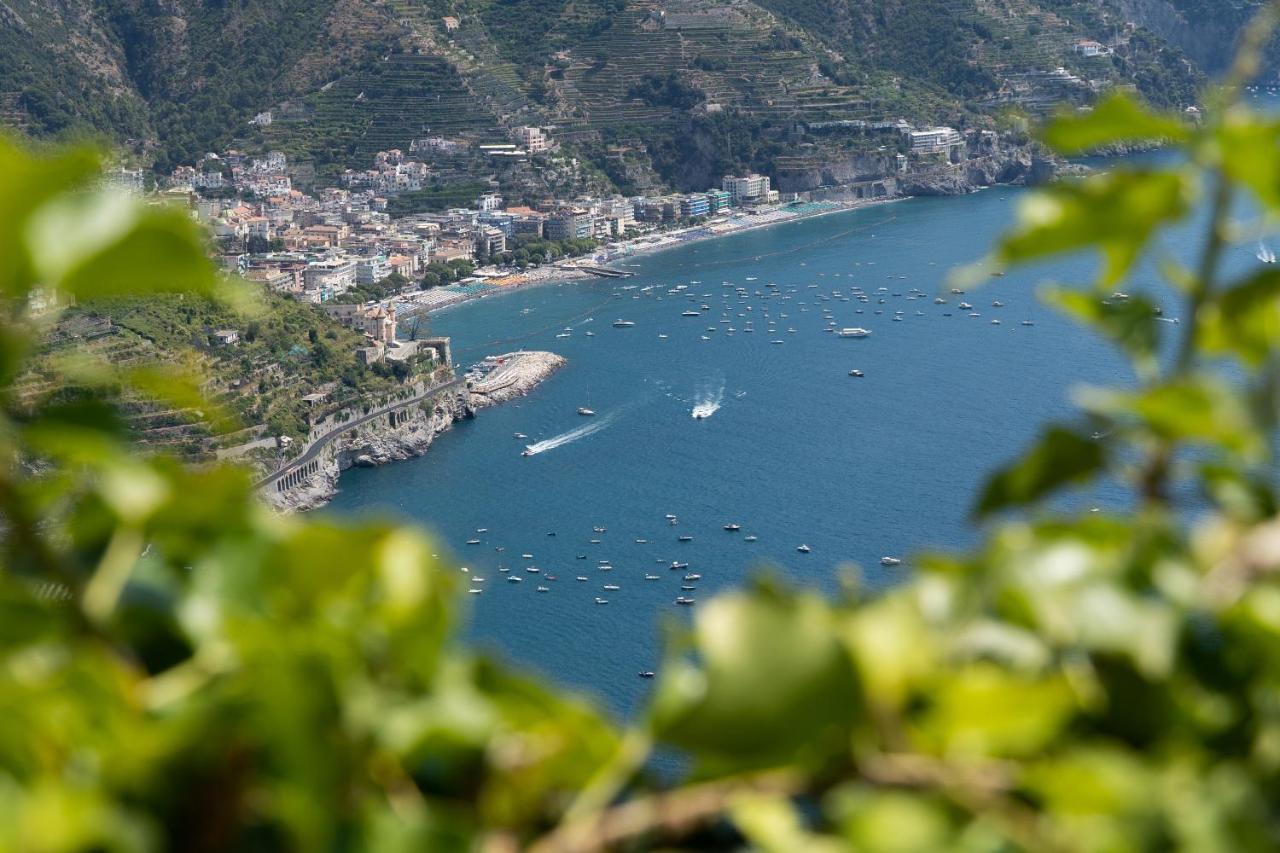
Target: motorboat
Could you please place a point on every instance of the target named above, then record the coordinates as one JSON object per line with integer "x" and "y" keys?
{"x": 602, "y": 601}
{"x": 611, "y": 587}
{"x": 623, "y": 324}
{"x": 646, "y": 673}
{"x": 693, "y": 577}
{"x": 733, "y": 528}
{"x": 890, "y": 561}
{"x": 854, "y": 332}
{"x": 544, "y": 589}
{"x": 690, "y": 313}
{"x": 856, "y": 372}
{"x": 473, "y": 541}
{"x": 685, "y": 600}
{"x": 685, "y": 538}
{"x": 676, "y": 564}
{"x": 652, "y": 577}
{"x": 750, "y": 538}
{"x": 585, "y": 412}
{"x": 804, "y": 549}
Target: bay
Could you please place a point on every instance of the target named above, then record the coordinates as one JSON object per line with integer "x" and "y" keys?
{"x": 796, "y": 450}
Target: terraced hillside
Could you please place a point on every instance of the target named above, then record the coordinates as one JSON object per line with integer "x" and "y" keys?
{"x": 346, "y": 78}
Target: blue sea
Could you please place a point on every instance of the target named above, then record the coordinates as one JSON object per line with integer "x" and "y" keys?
{"x": 795, "y": 450}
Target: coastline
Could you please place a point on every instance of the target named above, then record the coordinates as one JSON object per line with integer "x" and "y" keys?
{"x": 494, "y": 380}
{"x": 568, "y": 271}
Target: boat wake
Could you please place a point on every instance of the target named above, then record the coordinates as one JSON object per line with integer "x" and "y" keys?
{"x": 568, "y": 437}
{"x": 708, "y": 403}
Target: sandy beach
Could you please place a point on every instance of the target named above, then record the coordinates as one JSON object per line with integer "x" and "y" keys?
{"x": 495, "y": 284}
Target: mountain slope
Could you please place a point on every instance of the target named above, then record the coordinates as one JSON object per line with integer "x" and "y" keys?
{"x": 622, "y": 82}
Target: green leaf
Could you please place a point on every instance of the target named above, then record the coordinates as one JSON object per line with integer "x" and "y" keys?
{"x": 107, "y": 243}
{"x": 1130, "y": 323}
{"x": 1198, "y": 410}
{"x": 756, "y": 700}
{"x": 1244, "y": 320}
{"x": 1115, "y": 213}
{"x": 1249, "y": 154}
{"x": 1061, "y": 457}
{"x": 1118, "y": 119}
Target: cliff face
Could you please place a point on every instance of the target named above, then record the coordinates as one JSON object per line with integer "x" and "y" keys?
{"x": 1209, "y": 41}
{"x": 495, "y": 380}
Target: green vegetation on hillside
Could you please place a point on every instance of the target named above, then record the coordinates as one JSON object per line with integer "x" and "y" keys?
{"x": 181, "y": 669}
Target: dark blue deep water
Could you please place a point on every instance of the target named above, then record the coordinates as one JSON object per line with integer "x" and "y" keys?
{"x": 798, "y": 451}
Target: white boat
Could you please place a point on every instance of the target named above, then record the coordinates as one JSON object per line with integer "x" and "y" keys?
{"x": 690, "y": 314}
{"x": 473, "y": 541}
{"x": 1027, "y": 323}
{"x": 585, "y": 412}
{"x": 686, "y": 601}
{"x": 750, "y": 538}
{"x": 965, "y": 306}
{"x": 623, "y": 324}
{"x": 854, "y": 332}
{"x": 612, "y": 587}
{"x": 544, "y": 589}
{"x": 1265, "y": 254}
{"x": 602, "y": 601}
{"x": 855, "y": 372}
{"x": 890, "y": 561}
{"x": 677, "y": 565}
{"x": 804, "y": 549}
{"x": 733, "y": 527}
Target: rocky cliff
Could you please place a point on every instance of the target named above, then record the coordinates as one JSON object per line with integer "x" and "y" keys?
{"x": 495, "y": 380}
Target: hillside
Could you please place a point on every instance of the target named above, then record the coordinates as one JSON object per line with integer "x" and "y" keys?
{"x": 646, "y": 92}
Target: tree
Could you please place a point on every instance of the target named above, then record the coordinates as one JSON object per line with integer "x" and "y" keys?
{"x": 179, "y": 666}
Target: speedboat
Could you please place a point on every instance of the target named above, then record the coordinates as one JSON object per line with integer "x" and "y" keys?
{"x": 853, "y": 332}
{"x": 676, "y": 564}
{"x": 585, "y": 412}
{"x": 890, "y": 561}
{"x": 623, "y": 324}
{"x": 804, "y": 549}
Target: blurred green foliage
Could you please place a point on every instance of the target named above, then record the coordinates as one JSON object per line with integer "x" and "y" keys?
{"x": 181, "y": 669}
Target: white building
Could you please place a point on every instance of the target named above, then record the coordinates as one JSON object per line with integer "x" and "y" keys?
{"x": 931, "y": 140}
{"x": 371, "y": 270}
{"x": 532, "y": 138}
{"x": 489, "y": 202}
{"x": 744, "y": 189}
{"x": 330, "y": 277}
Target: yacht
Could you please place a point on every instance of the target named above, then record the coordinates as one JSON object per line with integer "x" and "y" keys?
{"x": 544, "y": 589}
{"x": 750, "y": 538}
{"x": 515, "y": 579}
{"x": 1027, "y": 323}
{"x": 474, "y": 591}
{"x": 890, "y": 561}
{"x": 853, "y": 332}
{"x": 690, "y": 313}
{"x": 623, "y": 324}
{"x": 685, "y": 600}
{"x": 804, "y": 549}
{"x": 649, "y": 577}
{"x": 676, "y": 564}
{"x": 598, "y": 529}
{"x": 733, "y": 528}
{"x": 473, "y": 541}
{"x": 965, "y": 306}
{"x": 646, "y": 673}
{"x": 855, "y": 372}
{"x": 585, "y": 412}
{"x": 693, "y": 577}
{"x": 521, "y": 436}
{"x": 684, "y": 537}
{"x": 602, "y": 601}
{"x": 612, "y": 587}
{"x": 581, "y": 578}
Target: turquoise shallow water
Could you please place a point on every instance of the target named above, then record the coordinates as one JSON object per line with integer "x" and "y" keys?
{"x": 797, "y": 452}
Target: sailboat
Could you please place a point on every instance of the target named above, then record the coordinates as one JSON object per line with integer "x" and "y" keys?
{"x": 586, "y": 411}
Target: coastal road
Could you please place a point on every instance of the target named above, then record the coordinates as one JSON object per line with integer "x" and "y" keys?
{"x": 320, "y": 443}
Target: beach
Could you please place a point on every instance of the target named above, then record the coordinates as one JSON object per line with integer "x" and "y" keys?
{"x": 494, "y": 283}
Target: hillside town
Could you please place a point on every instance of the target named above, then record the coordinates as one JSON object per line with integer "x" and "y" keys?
{"x": 342, "y": 244}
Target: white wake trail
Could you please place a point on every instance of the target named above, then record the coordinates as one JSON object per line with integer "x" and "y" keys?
{"x": 708, "y": 402}
{"x": 568, "y": 437}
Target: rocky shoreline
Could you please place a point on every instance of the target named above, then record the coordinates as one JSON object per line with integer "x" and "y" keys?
{"x": 497, "y": 379}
